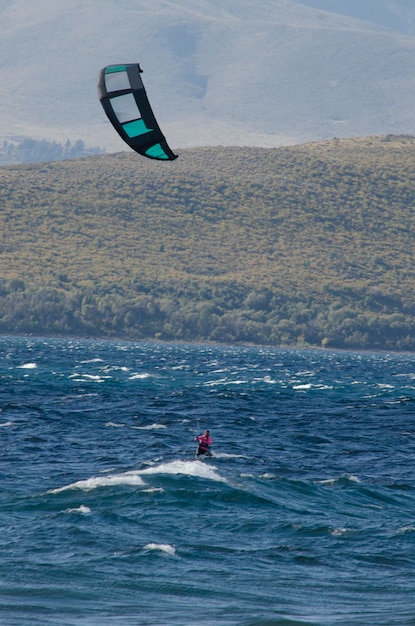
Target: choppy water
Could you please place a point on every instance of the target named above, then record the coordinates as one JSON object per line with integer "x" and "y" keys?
{"x": 305, "y": 515}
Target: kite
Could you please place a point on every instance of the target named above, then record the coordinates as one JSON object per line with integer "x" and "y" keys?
{"x": 124, "y": 100}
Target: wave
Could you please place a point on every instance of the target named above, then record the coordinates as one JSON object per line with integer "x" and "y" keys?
{"x": 186, "y": 468}
{"x": 310, "y": 386}
{"x": 128, "y": 478}
{"x": 162, "y": 547}
{"x": 228, "y": 455}
{"x": 139, "y": 376}
{"x": 82, "y": 378}
{"x": 150, "y": 427}
{"x": 96, "y": 360}
{"x": 84, "y": 510}
{"x": 405, "y": 529}
{"x": 135, "y": 478}
{"x": 343, "y": 480}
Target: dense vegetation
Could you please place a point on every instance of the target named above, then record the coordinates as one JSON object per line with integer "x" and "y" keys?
{"x": 306, "y": 245}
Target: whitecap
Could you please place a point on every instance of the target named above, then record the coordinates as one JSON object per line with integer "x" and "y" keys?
{"x": 328, "y": 481}
{"x": 134, "y": 478}
{"x": 352, "y": 478}
{"x": 227, "y": 455}
{"x": 129, "y": 478}
{"x": 405, "y": 529}
{"x": 6, "y": 424}
{"x": 97, "y": 360}
{"x": 187, "y": 468}
{"x": 84, "y": 510}
{"x": 225, "y": 381}
{"x": 139, "y": 376}
{"x": 334, "y": 481}
{"x": 115, "y": 368}
{"x": 338, "y": 532}
{"x": 27, "y": 366}
{"x": 269, "y": 380}
{"x": 81, "y": 378}
{"x": 95, "y": 377}
{"x": 311, "y": 386}
{"x": 163, "y": 547}
{"x": 114, "y": 425}
{"x": 150, "y": 427}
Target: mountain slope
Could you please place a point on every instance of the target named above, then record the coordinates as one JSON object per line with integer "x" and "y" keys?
{"x": 399, "y": 16}
{"x": 312, "y": 243}
{"x": 218, "y": 72}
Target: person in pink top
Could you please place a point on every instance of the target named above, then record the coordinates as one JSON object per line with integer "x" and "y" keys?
{"x": 205, "y": 441}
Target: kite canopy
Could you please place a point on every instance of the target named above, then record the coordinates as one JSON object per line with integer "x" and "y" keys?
{"x": 124, "y": 99}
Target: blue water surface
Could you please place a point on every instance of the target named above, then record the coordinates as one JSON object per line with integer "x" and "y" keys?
{"x": 304, "y": 515}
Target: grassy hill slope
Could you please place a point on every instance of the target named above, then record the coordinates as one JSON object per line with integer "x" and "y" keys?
{"x": 312, "y": 244}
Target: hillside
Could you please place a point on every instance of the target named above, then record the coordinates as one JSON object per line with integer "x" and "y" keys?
{"x": 217, "y": 72}
{"x": 309, "y": 245}
{"x": 398, "y": 15}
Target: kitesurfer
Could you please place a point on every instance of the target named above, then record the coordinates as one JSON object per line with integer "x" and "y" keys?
{"x": 205, "y": 441}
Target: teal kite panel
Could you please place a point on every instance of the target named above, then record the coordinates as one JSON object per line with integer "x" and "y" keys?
{"x": 136, "y": 128}
{"x": 115, "y": 68}
{"x": 156, "y": 152}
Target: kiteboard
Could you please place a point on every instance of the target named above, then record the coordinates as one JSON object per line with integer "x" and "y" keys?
{"x": 200, "y": 457}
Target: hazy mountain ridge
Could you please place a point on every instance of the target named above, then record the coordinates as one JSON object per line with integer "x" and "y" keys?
{"x": 221, "y": 72}
{"x": 399, "y": 16}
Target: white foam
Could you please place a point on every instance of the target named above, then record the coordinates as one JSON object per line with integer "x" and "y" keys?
{"x": 150, "y": 427}
{"x": 129, "y": 478}
{"x": 188, "y": 468}
{"x": 6, "y": 424}
{"x": 163, "y": 547}
{"x": 80, "y": 378}
{"x": 134, "y": 478}
{"x": 139, "y": 376}
{"x": 305, "y": 386}
{"x": 269, "y": 380}
{"x": 27, "y": 366}
{"x": 84, "y": 510}
{"x": 339, "y": 532}
{"x": 95, "y": 377}
{"x": 114, "y": 425}
{"x": 225, "y": 381}
{"x": 226, "y": 455}
{"x": 405, "y": 529}
{"x": 97, "y": 360}
{"x": 334, "y": 481}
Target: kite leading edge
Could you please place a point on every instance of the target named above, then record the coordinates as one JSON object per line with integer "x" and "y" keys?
{"x": 124, "y": 99}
